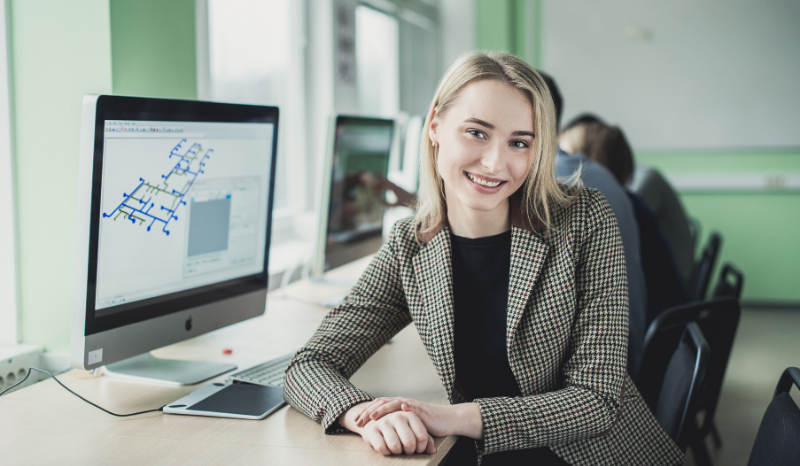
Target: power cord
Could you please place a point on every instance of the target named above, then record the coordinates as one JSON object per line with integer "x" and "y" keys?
{"x": 82, "y": 398}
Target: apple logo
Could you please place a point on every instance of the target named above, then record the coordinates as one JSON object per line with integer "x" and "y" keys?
{"x": 189, "y": 324}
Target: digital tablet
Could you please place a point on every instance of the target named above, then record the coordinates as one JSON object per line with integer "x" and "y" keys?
{"x": 236, "y": 400}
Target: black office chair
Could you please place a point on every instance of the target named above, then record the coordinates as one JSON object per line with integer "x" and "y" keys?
{"x": 697, "y": 286}
{"x": 730, "y": 282}
{"x": 778, "y": 439}
{"x": 681, "y": 390}
{"x": 694, "y": 231}
{"x": 718, "y": 319}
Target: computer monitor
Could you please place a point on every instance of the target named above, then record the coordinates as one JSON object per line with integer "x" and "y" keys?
{"x": 352, "y": 201}
{"x": 173, "y": 229}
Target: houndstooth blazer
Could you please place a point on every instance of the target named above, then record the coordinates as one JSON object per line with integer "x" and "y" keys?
{"x": 567, "y": 330}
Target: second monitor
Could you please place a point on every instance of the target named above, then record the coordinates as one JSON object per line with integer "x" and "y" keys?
{"x": 352, "y": 204}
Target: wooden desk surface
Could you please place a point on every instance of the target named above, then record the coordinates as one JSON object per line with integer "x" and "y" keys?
{"x": 44, "y": 424}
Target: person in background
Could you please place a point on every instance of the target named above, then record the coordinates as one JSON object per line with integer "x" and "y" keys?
{"x": 595, "y": 175}
{"x": 516, "y": 285}
{"x": 652, "y": 188}
{"x": 607, "y": 145}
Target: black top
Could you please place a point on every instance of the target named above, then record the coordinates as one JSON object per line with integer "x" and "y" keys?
{"x": 481, "y": 268}
{"x": 480, "y": 292}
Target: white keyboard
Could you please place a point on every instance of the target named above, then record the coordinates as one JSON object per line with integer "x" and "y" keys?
{"x": 267, "y": 373}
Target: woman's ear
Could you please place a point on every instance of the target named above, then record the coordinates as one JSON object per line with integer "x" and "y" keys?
{"x": 433, "y": 128}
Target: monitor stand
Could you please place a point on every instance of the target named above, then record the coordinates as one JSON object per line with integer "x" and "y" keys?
{"x": 148, "y": 368}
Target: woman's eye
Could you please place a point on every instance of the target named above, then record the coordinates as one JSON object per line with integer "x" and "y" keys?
{"x": 519, "y": 144}
{"x": 476, "y": 133}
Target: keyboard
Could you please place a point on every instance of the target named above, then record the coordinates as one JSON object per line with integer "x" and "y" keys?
{"x": 267, "y": 373}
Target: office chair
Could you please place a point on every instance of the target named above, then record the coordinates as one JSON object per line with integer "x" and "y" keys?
{"x": 730, "y": 282}
{"x": 681, "y": 390}
{"x": 694, "y": 231}
{"x": 718, "y": 320}
{"x": 697, "y": 286}
{"x": 778, "y": 439}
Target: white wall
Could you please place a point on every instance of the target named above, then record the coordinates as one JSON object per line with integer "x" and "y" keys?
{"x": 682, "y": 73}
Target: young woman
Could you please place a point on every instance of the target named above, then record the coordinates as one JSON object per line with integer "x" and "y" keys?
{"x": 516, "y": 285}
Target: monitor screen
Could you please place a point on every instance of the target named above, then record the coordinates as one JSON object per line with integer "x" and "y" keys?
{"x": 182, "y": 205}
{"x": 361, "y": 151}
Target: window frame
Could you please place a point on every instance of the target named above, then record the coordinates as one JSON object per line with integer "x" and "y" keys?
{"x": 10, "y": 331}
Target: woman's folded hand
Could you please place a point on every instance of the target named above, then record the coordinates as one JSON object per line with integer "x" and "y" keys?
{"x": 439, "y": 420}
{"x": 399, "y": 432}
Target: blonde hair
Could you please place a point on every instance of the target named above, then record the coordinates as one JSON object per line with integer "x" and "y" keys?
{"x": 540, "y": 192}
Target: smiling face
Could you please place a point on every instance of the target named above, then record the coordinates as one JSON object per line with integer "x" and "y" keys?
{"x": 485, "y": 147}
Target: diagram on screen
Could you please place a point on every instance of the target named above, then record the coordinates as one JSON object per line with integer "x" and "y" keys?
{"x": 154, "y": 202}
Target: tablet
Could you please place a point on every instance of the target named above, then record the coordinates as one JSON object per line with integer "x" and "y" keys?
{"x": 236, "y": 400}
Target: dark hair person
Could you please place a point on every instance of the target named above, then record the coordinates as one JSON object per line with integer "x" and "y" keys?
{"x": 606, "y": 144}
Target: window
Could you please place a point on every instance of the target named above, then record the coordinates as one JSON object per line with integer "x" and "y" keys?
{"x": 377, "y": 63}
{"x": 397, "y": 47}
{"x": 291, "y": 54}
{"x": 255, "y": 56}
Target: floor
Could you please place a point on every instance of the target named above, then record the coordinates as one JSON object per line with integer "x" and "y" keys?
{"x": 767, "y": 342}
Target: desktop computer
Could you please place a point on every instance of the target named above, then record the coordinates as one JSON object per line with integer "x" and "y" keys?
{"x": 352, "y": 206}
{"x": 173, "y": 229}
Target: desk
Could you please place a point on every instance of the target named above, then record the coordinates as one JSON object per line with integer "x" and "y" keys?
{"x": 44, "y": 424}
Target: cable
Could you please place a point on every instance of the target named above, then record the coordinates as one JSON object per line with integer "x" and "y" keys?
{"x": 82, "y": 398}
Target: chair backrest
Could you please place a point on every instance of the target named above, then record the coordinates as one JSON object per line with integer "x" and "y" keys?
{"x": 681, "y": 390}
{"x": 778, "y": 439}
{"x": 694, "y": 231}
{"x": 701, "y": 272}
{"x": 718, "y": 319}
{"x": 730, "y": 282}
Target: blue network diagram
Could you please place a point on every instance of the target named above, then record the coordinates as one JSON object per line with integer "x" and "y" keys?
{"x": 143, "y": 210}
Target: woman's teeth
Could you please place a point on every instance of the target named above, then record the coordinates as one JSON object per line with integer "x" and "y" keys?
{"x": 481, "y": 182}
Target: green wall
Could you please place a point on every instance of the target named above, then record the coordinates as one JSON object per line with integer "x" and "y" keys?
{"x": 153, "y": 48}
{"x": 759, "y": 228}
{"x": 60, "y": 52}
{"x": 502, "y": 25}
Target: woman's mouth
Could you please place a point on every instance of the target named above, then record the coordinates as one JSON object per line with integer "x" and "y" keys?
{"x": 482, "y": 181}
{"x": 484, "y": 184}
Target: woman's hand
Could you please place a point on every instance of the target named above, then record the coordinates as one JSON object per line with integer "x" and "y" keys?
{"x": 398, "y": 432}
{"x": 439, "y": 420}
{"x": 395, "y": 433}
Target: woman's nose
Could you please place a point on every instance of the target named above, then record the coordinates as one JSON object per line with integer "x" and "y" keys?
{"x": 492, "y": 159}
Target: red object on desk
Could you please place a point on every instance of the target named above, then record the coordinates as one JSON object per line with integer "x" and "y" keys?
{"x": 227, "y": 351}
